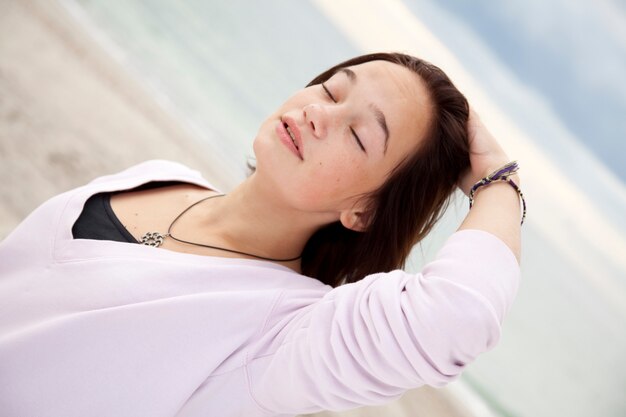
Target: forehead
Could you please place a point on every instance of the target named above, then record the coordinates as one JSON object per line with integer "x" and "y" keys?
{"x": 402, "y": 96}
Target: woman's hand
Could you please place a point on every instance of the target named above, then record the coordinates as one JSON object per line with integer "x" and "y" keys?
{"x": 486, "y": 154}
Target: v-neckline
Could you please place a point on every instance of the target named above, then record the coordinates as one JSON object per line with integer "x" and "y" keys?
{"x": 67, "y": 249}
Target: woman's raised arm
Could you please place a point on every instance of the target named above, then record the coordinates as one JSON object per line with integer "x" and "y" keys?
{"x": 496, "y": 207}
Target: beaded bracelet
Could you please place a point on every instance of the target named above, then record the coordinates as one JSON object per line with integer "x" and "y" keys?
{"x": 501, "y": 174}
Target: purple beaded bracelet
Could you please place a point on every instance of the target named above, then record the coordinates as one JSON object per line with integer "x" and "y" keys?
{"x": 501, "y": 174}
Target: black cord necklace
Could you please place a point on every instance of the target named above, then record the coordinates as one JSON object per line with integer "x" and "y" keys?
{"x": 155, "y": 239}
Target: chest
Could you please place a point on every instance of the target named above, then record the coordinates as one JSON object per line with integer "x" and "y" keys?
{"x": 154, "y": 210}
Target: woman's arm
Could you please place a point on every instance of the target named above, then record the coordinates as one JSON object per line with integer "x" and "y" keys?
{"x": 496, "y": 207}
{"x": 368, "y": 342}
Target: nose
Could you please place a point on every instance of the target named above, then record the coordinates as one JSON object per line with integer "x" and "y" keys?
{"x": 316, "y": 117}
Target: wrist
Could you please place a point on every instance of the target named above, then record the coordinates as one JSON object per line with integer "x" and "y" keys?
{"x": 504, "y": 173}
{"x": 494, "y": 192}
{"x": 493, "y": 167}
{"x": 516, "y": 178}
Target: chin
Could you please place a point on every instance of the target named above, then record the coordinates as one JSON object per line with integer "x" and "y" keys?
{"x": 262, "y": 153}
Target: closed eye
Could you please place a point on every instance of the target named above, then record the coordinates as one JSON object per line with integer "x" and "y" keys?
{"x": 328, "y": 93}
{"x": 356, "y": 137}
{"x": 358, "y": 140}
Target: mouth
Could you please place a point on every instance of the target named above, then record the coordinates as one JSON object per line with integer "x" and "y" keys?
{"x": 291, "y": 134}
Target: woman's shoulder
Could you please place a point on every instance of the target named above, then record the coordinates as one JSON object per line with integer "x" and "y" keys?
{"x": 143, "y": 174}
{"x": 159, "y": 169}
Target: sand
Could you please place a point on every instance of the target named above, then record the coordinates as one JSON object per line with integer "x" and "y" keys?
{"x": 70, "y": 113}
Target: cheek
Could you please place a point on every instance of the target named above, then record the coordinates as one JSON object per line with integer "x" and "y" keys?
{"x": 334, "y": 181}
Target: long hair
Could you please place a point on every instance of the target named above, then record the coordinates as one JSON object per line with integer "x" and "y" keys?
{"x": 407, "y": 206}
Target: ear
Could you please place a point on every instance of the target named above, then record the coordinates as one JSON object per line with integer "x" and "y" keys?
{"x": 353, "y": 220}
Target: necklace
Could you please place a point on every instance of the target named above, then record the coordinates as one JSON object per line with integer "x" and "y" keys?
{"x": 155, "y": 239}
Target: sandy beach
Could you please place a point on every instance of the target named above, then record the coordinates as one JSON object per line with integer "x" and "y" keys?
{"x": 70, "y": 113}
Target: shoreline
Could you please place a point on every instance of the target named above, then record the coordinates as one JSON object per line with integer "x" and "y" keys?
{"x": 70, "y": 112}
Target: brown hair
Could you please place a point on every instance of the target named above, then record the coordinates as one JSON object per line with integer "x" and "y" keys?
{"x": 405, "y": 208}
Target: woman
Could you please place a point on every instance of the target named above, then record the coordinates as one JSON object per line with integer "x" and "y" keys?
{"x": 240, "y": 309}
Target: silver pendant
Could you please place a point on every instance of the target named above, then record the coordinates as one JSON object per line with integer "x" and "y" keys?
{"x": 154, "y": 239}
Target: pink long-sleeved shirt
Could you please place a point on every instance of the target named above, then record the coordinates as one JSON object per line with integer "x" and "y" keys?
{"x": 103, "y": 328}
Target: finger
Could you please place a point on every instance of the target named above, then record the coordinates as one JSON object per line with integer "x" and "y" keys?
{"x": 473, "y": 123}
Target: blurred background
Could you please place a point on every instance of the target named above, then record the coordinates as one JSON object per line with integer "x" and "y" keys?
{"x": 90, "y": 86}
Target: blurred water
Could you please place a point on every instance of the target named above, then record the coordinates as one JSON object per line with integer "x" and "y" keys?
{"x": 223, "y": 66}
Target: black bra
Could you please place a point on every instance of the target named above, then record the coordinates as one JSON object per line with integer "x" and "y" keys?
{"x": 98, "y": 221}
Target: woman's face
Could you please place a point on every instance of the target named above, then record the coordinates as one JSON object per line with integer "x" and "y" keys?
{"x": 349, "y": 133}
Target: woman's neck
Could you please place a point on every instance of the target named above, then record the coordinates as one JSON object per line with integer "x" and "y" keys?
{"x": 252, "y": 219}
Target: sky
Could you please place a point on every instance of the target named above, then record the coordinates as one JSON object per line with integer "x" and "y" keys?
{"x": 572, "y": 52}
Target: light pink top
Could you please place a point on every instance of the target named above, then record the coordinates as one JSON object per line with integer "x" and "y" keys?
{"x": 103, "y": 328}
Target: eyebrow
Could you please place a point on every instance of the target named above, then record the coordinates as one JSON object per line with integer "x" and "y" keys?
{"x": 378, "y": 114}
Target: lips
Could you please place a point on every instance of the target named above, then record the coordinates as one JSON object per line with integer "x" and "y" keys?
{"x": 289, "y": 131}
{"x": 293, "y": 137}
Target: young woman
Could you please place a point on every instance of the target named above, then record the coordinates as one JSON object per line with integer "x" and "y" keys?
{"x": 284, "y": 296}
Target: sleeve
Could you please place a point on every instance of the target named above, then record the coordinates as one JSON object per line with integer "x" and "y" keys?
{"x": 367, "y": 343}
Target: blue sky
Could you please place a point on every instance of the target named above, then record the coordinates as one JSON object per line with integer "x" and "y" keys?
{"x": 572, "y": 52}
